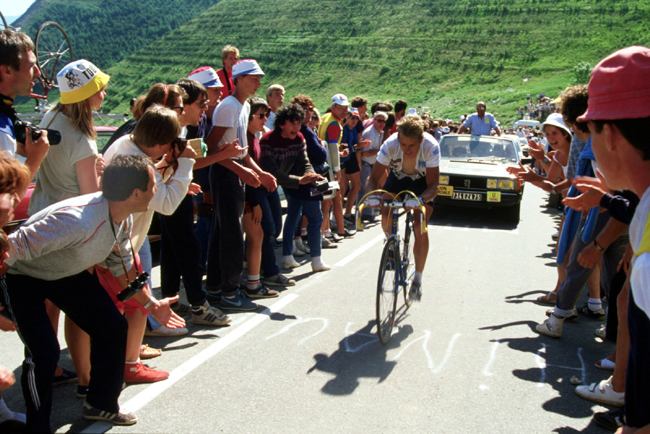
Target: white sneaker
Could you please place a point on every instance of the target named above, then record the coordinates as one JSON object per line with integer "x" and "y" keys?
{"x": 211, "y": 316}
{"x": 289, "y": 265}
{"x": 602, "y": 392}
{"x": 296, "y": 250}
{"x": 300, "y": 245}
{"x": 551, "y": 327}
{"x": 320, "y": 267}
{"x": 163, "y": 331}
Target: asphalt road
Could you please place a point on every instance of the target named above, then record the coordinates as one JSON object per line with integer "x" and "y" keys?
{"x": 465, "y": 359}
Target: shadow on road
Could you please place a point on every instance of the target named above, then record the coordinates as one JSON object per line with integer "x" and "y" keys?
{"x": 494, "y": 218}
{"x": 360, "y": 355}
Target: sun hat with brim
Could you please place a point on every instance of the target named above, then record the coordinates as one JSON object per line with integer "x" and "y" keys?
{"x": 207, "y": 76}
{"x": 246, "y": 67}
{"x": 79, "y": 80}
{"x": 555, "y": 119}
{"x": 619, "y": 87}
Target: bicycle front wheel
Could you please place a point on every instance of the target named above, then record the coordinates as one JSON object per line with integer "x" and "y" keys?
{"x": 387, "y": 290}
{"x": 408, "y": 258}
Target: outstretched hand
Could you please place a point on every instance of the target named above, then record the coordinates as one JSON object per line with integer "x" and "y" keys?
{"x": 592, "y": 189}
{"x": 163, "y": 312}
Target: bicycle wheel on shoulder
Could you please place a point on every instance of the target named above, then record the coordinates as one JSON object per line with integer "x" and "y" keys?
{"x": 53, "y": 51}
{"x": 387, "y": 290}
{"x": 408, "y": 258}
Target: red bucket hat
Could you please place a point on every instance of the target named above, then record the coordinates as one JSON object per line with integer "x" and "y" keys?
{"x": 619, "y": 87}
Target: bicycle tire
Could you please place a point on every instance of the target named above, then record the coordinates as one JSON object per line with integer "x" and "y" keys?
{"x": 408, "y": 258}
{"x": 4, "y": 22}
{"x": 387, "y": 290}
{"x": 53, "y": 51}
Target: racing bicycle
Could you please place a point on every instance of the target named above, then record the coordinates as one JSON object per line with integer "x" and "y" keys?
{"x": 397, "y": 264}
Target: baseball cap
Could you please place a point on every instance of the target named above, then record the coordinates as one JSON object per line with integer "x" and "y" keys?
{"x": 354, "y": 111}
{"x": 207, "y": 76}
{"x": 556, "y": 120}
{"x": 246, "y": 67}
{"x": 411, "y": 111}
{"x": 79, "y": 80}
{"x": 619, "y": 87}
{"x": 340, "y": 99}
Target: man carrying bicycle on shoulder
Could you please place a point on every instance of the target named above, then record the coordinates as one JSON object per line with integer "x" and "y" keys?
{"x": 413, "y": 157}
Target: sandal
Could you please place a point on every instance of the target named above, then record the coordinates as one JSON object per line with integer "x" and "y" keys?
{"x": 146, "y": 352}
{"x": 605, "y": 364}
{"x": 548, "y": 298}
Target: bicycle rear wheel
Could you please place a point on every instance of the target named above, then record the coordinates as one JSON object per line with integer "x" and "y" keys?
{"x": 387, "y": 290}
{"x": 53, "y": 52}
{"x": 408, "y": 258}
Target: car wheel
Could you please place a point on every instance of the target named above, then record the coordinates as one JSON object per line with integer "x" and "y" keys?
{"x": 513, "y": 213}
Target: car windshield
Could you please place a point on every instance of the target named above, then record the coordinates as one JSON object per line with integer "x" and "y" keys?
{"x": 464, "y": 147}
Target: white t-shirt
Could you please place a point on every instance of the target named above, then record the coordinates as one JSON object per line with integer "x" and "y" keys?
{"x": 640, "y": 279}
{"x": 169, "y": 194}
{"x": 375, "y": 137}
{"x": 232, "y": 114}
{"x": 56, "y": 179}
{"x": 391, "y": 155}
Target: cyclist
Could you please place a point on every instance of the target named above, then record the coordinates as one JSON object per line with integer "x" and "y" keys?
{"x": 413, "y": 157}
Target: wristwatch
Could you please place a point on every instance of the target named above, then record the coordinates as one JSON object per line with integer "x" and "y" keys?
{"x": 149, "y": 303}
{"x": 597, "y": 246}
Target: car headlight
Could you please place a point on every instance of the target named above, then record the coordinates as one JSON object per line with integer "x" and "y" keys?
{"x": 444, "y": 180}
{"x": 491, "y": 183}
{"x": 506, "y": 184}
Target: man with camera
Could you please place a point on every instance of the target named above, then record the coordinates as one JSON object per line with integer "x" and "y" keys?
{"x": 52, "y": 256}
{"x": 18, "y": 70}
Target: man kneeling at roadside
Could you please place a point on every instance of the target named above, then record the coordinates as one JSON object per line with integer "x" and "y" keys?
{"x": 50, "y": 257}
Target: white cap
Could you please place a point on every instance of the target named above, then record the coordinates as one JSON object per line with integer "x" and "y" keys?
{"x": 340, "y": 99}
{"x": 246, "y": 67}
{"x": 207, "y": 76}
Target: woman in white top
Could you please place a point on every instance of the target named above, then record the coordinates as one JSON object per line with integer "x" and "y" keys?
{"x": 72, "y": 168}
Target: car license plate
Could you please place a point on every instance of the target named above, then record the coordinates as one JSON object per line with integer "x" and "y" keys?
{"x": 445, "y": 190}
{"x": 476, "y": 197}
{"x": 494, "y": 196}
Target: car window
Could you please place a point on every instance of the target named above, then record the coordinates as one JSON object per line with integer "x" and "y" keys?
{"x": 466, "y": 147}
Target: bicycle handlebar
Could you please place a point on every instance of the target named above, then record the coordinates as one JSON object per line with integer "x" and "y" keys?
{"x": 391, "y": 205}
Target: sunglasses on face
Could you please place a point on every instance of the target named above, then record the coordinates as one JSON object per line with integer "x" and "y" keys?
{"x": 261, "y": 115}
{"x": 381, "y": 121}
{"x": 180, "y": 109}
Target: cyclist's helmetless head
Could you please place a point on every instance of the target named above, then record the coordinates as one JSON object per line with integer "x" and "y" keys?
{"x": 410, "y": 131}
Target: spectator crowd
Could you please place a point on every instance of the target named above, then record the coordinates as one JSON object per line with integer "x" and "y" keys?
{"x": 208, "y": 159}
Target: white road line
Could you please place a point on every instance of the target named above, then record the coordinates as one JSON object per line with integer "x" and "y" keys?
{"x": 486, "y": 368}
{"x": 359, "y": 251}
{"x": 153, "y": 391}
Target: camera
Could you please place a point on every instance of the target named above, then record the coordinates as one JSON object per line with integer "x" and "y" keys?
{"x": 179, "y": 144}
{"x": 135, "y": 286}
{"x": 326, "y": 188}
{"x": 53, "y": 136}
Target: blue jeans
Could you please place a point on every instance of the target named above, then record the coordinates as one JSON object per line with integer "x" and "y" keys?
{"x": 295, "y": 209}
{"x": 272, "y": 227}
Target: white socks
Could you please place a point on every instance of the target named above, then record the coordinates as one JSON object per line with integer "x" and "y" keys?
{"x": 417, "y": 277}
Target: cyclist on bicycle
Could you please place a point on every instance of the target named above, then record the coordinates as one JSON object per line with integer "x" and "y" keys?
{"x": 413, "y": 157}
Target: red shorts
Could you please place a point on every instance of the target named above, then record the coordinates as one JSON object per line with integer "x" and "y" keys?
{"x": 113, "y": 288}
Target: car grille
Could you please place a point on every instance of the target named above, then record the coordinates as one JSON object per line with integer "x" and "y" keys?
{"x": 475, "y": 183}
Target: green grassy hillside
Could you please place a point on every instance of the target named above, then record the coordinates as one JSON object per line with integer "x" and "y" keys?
{"x": 443, "y": 54}
{"x": 105, "y": 31}
{"x": 438, "y": 53}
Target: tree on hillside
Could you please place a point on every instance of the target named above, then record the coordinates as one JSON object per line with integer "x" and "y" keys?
{"x": 581, "y": 73}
